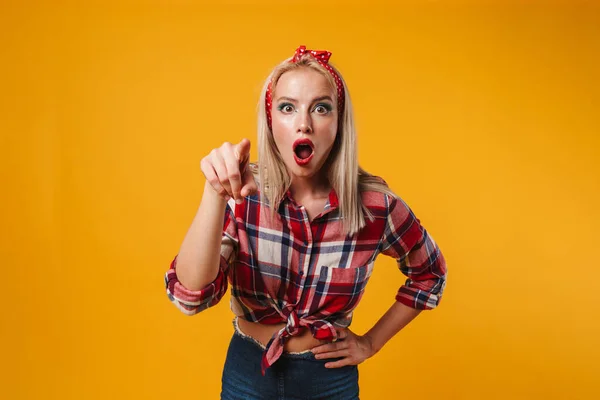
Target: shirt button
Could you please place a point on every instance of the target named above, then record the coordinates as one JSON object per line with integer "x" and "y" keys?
{"x": 301, "y": 273}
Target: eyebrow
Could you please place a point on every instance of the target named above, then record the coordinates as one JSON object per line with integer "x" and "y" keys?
{"x": 316, "y": 99}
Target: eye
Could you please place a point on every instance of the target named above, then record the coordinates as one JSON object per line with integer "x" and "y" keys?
{"x": 286, "y": 108}
{"x": 323, "y": 108}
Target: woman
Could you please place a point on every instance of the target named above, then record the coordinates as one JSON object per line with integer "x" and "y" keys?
{"x": 296, "y": 236}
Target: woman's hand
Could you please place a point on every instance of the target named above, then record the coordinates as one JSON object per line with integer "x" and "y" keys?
{"x": 355, "y": 349}
{"x": 225, "y": 169}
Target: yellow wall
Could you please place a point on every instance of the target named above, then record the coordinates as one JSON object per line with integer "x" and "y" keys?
{"x": 485, "y": 118}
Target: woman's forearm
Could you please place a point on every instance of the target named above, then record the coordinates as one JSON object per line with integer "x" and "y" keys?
{"x": 199, "y": 256}
{"x": 396, "y": 318}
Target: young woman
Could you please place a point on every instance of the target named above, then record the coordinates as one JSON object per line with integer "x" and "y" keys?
{"x": 296, "y": 236}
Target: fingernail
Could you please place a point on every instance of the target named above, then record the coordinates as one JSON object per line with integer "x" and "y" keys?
{"x": 239, "y": 201}
{"x": 227, "y": 197}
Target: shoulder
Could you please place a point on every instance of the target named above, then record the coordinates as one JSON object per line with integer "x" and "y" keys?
{"x": 374, "y": 199}
{"x": 375, "y": 192}
{"x": 380, "y": 199}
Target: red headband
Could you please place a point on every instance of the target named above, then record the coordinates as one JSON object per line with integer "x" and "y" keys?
{"x": 322, "y": 58}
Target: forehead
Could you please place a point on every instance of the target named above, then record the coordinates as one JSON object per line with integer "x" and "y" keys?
{"x": 303, "y": 82}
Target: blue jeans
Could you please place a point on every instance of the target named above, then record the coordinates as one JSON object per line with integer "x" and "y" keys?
{"x": 293, "y": 376}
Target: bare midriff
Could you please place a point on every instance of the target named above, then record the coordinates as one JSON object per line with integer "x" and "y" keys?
{"x": 263, "y": 333}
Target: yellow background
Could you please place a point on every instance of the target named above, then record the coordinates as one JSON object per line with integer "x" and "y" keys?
{"x": 484, "y": 117}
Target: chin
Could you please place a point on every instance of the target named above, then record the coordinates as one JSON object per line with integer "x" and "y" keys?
{"x": 304, "y": 172}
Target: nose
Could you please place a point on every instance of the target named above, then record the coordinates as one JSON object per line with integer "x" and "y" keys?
{"x": 305, "y": 122}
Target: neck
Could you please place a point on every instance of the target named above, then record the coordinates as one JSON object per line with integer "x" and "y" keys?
{"x": 309, "y": 187}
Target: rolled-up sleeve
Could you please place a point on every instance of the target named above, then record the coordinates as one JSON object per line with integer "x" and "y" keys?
{"x": 192, "y": 302}
{"x": 418, "y": 257}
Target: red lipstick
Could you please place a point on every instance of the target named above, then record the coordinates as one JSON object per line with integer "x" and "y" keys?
{"x": 303, "y": 157}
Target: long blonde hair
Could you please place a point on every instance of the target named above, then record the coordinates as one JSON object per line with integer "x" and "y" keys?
{"x": 346, "y": 177}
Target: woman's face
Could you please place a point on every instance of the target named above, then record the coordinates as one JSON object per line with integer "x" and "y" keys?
{"x": 304, "y": 107}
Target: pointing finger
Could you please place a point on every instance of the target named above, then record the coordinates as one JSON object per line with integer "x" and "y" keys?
{"x": 242, "y": 150}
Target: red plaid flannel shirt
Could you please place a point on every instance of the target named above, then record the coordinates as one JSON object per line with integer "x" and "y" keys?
{"x": 309, "y": 273}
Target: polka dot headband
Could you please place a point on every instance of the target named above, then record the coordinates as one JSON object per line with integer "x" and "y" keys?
{"x": 322, "y": 58}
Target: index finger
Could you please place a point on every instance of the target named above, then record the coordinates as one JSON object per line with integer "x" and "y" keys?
{"x": 242, "y": 150}
{"x": 234, "y": 176}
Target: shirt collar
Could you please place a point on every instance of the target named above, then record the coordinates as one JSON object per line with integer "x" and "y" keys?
{"x": 332, "y": 200}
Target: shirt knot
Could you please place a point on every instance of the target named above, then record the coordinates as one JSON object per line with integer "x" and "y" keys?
{"x": 321, "y": 329}
{"x": 292, "y": 326}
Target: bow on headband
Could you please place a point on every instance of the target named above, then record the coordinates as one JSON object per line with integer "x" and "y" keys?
{"x": 322, "y": 57}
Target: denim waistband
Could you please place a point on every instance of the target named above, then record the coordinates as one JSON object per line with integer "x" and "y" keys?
{"x": 306, "y": 354}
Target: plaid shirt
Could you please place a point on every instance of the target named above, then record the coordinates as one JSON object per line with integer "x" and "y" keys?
{"x": 310, "y": 274}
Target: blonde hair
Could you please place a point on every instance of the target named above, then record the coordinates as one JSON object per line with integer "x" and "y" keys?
{"x": 346, "y": 177}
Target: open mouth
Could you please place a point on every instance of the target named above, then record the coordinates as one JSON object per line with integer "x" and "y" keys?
{"x": 303, "y": 151}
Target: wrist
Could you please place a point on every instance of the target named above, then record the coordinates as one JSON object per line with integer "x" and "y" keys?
{"x": 374, "y": 349}
{"x": 212, "y": 194}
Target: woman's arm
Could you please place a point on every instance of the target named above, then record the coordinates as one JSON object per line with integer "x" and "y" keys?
{"x": 420, "y": 259}
{"x": 226, "y": 175}
{"x": 197, "y": 278}
{"x": 198, "y": 259}
{"x": 392, "y": 322}
{"x": 356, "y": 349}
